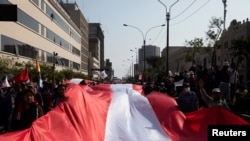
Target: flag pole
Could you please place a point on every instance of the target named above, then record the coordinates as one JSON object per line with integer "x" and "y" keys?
{"x": 38, "y": 70}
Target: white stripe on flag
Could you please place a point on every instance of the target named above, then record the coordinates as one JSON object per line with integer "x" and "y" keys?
{"x": 131, "y": 117}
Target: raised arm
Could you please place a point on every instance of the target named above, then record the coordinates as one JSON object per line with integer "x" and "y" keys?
{"x": 205, "y": 97}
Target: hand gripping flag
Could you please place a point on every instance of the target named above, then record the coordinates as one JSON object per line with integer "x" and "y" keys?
{"x": 121, "y": 112}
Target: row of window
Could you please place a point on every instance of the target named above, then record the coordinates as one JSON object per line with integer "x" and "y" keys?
{"x": 33, "y": 24}
{"x": 56, "y": 18}
{"x": 19, "y": 48}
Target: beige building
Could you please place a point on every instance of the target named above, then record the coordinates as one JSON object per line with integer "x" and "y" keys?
{"x": 96, "y": 49}
{"x": 81, "y": 22}
{"x": 176, "y": 58}
{"x": 44, "y": 31}
{"x": 236, "y": 30}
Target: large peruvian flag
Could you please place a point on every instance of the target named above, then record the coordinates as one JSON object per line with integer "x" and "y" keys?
{"x": 120, "y": 112}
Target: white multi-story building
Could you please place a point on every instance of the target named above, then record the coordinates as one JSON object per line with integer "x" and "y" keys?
{"x": 43, "y": 31}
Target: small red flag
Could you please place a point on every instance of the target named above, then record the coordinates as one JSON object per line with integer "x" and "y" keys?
{"x": 23, "y": 76}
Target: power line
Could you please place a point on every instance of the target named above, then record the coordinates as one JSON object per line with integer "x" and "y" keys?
{"x": 191, "y": 14}
{"x": 157, "y": 35}
{"x": 184, "y": 10}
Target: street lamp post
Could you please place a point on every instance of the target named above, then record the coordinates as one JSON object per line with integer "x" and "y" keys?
{"x": 132, "y": 68}
{"x": 136, "y": 60}
{"x": 54, "y": 67}
{"x": 144, "y": 41}
{"x": 214, "y": 57}
{"x": 225, "y": 11}
{"x": 167, "y": 19}
{"x": 136, "y": 53}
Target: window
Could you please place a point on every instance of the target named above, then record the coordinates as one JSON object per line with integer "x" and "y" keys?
{"x": 28, "y": 21}
{"x": 36, "y": 2}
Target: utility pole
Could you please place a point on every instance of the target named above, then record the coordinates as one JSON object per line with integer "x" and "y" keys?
{"x": 225, "y": 12}
{"x": 144, "y": 42}
{"x": 167, "y": 46}
{"x": 54, "y": 66}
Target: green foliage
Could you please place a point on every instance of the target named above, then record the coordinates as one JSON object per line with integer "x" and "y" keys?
{"x": 189, "y": 57}
{"x": 197, "y": 45}
{"x": 10, "y": 68}
{"x": 215, "y": 29}
{"x": 68, "y": 74}
{"x": 155, "y": 62}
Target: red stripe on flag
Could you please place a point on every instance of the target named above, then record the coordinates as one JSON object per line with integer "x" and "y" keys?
{"x": 192, "y": 126}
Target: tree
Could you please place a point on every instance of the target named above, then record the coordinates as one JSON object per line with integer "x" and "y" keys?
{"x": 196, "y": 45}
{"x": 11, "y": 68}
{"x": 156, "y": 64}
{"x": 215, "y": 29}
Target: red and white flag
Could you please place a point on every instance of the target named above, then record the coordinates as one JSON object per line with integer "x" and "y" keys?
{"x": 23, "y": 76}
{"x": 121, "y": 112}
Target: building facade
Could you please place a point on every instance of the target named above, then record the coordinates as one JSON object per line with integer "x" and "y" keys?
{"x": 150, "y": 50}
{"x": 236, "y": 30}
{"x": 81, "y": 22}
{"x": 96, "y": 49}
{"x": 44, "y": 31}
{"x": 108, "y": 69}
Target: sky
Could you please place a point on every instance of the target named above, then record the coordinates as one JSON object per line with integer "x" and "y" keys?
{"x": 189, "y": 19}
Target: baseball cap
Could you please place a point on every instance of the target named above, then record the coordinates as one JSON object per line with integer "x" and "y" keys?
{"x": 216, "y": 90}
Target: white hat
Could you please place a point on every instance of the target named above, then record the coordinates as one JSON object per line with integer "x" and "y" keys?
{"x": 216, "y": 90}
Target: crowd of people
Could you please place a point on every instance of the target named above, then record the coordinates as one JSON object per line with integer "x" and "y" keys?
{"x": 206, "y": 87}
{"x": 21, "y": 104}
